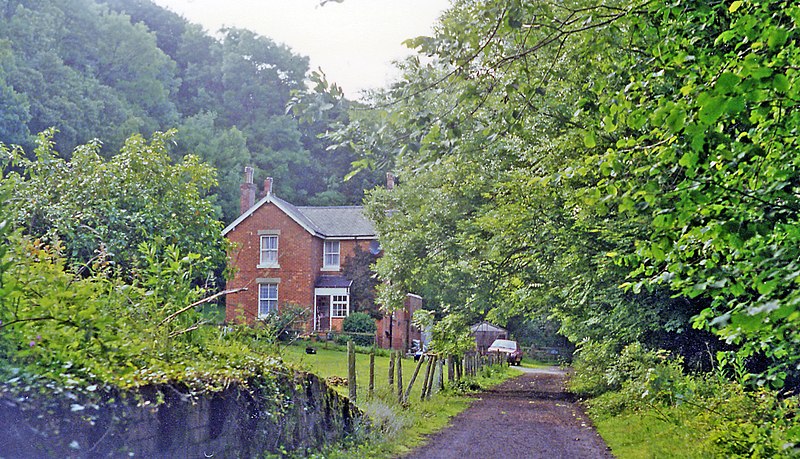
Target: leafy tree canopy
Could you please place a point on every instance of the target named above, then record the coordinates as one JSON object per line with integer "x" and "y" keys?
{"x": 111, "y": 69}
{"x": 104, "y": 209}
{"x": 549, "y": 154}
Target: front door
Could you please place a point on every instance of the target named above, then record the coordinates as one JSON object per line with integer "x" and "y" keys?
{"x": 322, "y": 322}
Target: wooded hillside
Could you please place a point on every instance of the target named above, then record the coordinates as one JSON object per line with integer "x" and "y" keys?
{"x": 111, "y": 69}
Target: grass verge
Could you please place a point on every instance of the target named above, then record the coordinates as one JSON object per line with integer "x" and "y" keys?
{"x": 644, "y": 435}
{"x": 396, "y": 429}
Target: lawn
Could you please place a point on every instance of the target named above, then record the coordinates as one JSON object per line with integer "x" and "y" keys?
{"x": 397, "y": 429}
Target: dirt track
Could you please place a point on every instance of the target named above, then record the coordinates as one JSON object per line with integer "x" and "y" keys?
{"x": 530, "y": 416}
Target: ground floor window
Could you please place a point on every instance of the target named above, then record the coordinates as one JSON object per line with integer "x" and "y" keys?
{"x": 267, "y": 299}
{"x": 339, "y": 305}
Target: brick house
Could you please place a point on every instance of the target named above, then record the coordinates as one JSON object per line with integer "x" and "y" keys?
{"x": 285, "y": 254}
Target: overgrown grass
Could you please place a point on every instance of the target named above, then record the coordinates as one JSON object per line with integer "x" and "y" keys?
{"x": 396, "y": 429}
{"x": 644, "y": 406}
{"x": 645, "y": 434}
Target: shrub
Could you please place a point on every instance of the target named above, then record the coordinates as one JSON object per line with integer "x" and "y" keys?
{"x": 591, "y": 362}
{"x": 285, "y": 324}
{"x": 361, "y": 328}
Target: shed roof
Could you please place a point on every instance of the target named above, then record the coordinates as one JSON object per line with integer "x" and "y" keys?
{"x": 487, "y": 327}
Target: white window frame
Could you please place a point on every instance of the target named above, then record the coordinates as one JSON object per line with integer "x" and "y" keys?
{"x": 268, "y": 256}
{"x": 328, "y": 251}
{"x": 340, "y": 306}
{"x": 267, "y": 299}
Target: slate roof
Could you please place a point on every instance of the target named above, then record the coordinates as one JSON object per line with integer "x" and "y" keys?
{"x": 333, "y": 282}
{"x": 339, "y": 221}
{"x": 325, "y": 222}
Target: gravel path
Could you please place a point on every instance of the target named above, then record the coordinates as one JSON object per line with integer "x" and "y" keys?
{"x": 529, "y": 416}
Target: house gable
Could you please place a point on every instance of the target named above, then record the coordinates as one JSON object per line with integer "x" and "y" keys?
{"x": 297, "y": 240}
{"x": 285, "y": 207}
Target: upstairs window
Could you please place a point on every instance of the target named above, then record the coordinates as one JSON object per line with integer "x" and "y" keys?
{"x": 269, "y": 251}
{"x": 330, "y": 257}
{"x": 267, "y": 299}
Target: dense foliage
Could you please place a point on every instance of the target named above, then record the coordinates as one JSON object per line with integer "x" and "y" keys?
{"x": 709, "y": 151}
{"x": 358, "y": 268}
{"x": 111, "y": 69}
{"x": 549, "y": 154}
{"x": 643, "y": 404}
{"x": 103, "y": 210}
{"x": 101, "y": 270}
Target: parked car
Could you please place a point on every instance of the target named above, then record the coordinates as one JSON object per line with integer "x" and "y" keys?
{"x": 508, "y": 347}
{"x": 417, "y": 349}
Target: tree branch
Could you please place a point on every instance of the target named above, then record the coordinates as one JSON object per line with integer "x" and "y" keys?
{"x": 198, "y": 303}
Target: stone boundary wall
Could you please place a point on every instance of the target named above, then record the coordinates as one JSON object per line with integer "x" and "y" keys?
{"x": 296, "y": 412}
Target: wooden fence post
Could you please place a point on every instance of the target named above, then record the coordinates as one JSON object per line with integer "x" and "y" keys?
{"x": 351, "y": 371}
{"x": 391, "y": 368}
{"x": 432, "y": 367}
{"x": 414, "y": 378}
{"x": 399, "y": 365}
{"x": 371, "y": 388}
{"x": 451, "y": 371}
{"x": 440, "y": 373}
{"x": 427, "y": 378}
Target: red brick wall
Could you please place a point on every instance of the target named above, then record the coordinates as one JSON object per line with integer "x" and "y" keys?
{"x": 297, "y": 273}
{"x": 346, "y": 250}
{"x": 402, "y": 330}
{"x": 299, "y": 257}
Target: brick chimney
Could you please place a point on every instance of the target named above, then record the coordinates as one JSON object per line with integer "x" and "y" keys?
{"x": 267, "y": 187}
{"x": 389, "y": 181}
{"x": 247, "y": 191}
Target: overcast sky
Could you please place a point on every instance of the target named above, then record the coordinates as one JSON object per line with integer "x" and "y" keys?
{"x": 354, "y": 42}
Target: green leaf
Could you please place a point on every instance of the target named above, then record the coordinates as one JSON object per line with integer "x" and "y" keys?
{"x": 689, "y": 159}
{"x": 589, "y": 140}
{"x": 735, "y": 105}
{"x": 726, "y": 82}
{"x": 711, "y": 109}
{"x": 676, "y": 120}
{"x": 781, "y": 83}
{"x": 777, "y": 37}
{"x": 735, "y": 6}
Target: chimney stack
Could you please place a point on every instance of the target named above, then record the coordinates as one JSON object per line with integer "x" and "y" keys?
{"x": 267, "y": 186}
{"x": 389, "y": 181}
{"x": 247, "y": 191}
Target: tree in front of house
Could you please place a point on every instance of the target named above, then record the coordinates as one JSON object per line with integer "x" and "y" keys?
{"x": 358, "y": 268}
{"x": 97, "y": 208}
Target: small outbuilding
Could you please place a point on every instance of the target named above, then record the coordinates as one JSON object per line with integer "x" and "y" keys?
{"x": 485, "y": 333}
